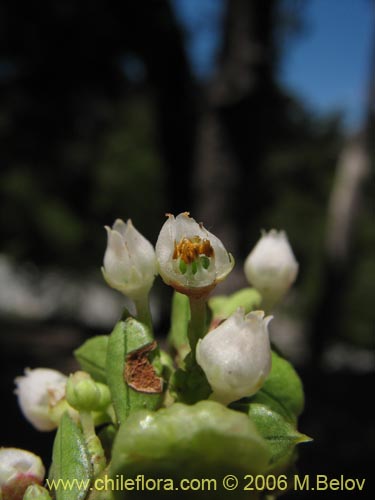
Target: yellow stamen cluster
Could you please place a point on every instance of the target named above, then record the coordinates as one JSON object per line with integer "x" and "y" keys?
{"x": 190, "y": 249}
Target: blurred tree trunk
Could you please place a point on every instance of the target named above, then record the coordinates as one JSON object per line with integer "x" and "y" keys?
{"x": 234, "y": 130}
{"x": 352, "y": 171}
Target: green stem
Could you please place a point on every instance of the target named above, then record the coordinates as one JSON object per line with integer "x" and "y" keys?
{"x": 143, "y": 311}
{"x": 93, "y": 443}
{"x": 197, "y": 324}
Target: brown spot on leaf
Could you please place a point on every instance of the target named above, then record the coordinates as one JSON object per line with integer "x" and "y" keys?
{"x": 139, "y": 373}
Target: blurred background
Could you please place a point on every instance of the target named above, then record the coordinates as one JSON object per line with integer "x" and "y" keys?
{"x": 251, "y": 115}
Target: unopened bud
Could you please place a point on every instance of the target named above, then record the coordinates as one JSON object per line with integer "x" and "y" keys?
{"x": 39, "y": 392}
{"x": 18, "y": 469}
{"x": 236, "y": 356}
{"x": 271, "y": 267}
{"x": 84, "y": 394}
{"x": 36, "y": 492}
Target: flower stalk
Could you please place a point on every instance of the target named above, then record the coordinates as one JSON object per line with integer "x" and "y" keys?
{"x": 197, "y": 324}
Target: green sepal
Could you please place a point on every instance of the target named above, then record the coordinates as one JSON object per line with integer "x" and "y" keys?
{"x": 223, "y": 306}
{"x": 92, "y": 355}
{"x": 206, "y": 440}
{"x": 70, "y": 461}
{"x": 127, "y": 337}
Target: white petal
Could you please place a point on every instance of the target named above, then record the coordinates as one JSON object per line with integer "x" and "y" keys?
{"x": 36, "y": 391}
{"x": 236, "y": 356}
{"x": 120, "y": 226}
{"x": 15, "y": 462}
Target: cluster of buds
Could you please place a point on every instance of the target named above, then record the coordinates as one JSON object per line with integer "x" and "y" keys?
{"x": 235, "y": 356}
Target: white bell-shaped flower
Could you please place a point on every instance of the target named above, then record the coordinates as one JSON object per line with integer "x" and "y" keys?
{"x": 129, "y": 261}
{"x": 39, "y": 391}
{"x": 271, "y": 266}
{"x": 236, "y": 356}
{"x": 191, "y": 259}
{"x": 18, "y": 469}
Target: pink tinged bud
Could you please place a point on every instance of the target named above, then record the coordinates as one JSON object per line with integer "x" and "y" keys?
{"x": 129, "y": 260}
{"x": 18, "y": 470}
{"x": 271, "y": 266}
{"x": 39, "y": 391}
{"x": 191, "y": 259}
{"x": 236, "y": 356}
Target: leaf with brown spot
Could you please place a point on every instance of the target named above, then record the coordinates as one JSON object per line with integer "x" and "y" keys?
{"x": 139, "y": 373}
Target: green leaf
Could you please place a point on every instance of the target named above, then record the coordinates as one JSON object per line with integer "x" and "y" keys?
{"x": 282, "y": 392}
{"x": 283, "y": 387}
{"x": 70, "y": 461}
{"x": 280, "y": 434}
{"x": 206, "y": 440}
{"x": 180, "y": 317}
{"x": 92, "y": 357}
{"x": 131, "y": 338}
{"x": 223, "y": 306}
{"x": 274, "y": 409}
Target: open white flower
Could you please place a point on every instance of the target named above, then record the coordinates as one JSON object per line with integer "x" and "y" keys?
{"x": 236, "y": 356}
{"x": 39, "y": 392}
{"x": 18, "y": 469}
{"x": 190, "y": 258}
{"x": 271, "y": 266}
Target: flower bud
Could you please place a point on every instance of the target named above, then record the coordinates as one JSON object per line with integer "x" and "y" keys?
{"x": 236, "y": 356}
{"x": 191, "y": 259}
{"x": 36, "y": 492}
{"x": 39, "y": 392}
{"x": 271, "y": 266}
{"x": 84, "y": 394}
{"x": 129, "y": 260}
{"x": 18, "y": 469}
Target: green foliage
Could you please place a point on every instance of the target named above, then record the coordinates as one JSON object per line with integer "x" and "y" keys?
{"x": 280, "y": 435}
{"x": 274, "y": 409}
{"x": 92, "y": 357}
{"x": 223, "y": 306}
{"x": 203, "y": 440}
{"x": 128, "y": 337}
{"x": 70, "y": 460}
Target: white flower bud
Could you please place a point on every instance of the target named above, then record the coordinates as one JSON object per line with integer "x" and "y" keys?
{"x": 129, "y": 260}
{"x": 18, "y": 469}
{"x": 271, "y": 266}
{"x": 191, "y": 259}
{"x": 236, "y": 356}
{"x": 39, "y": 391}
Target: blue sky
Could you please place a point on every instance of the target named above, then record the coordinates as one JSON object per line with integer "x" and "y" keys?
{"x": 327, "y": 66}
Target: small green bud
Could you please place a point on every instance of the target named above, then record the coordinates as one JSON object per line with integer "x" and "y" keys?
{"x": 84, "y": 394}
{"x": 36, "y": 492}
